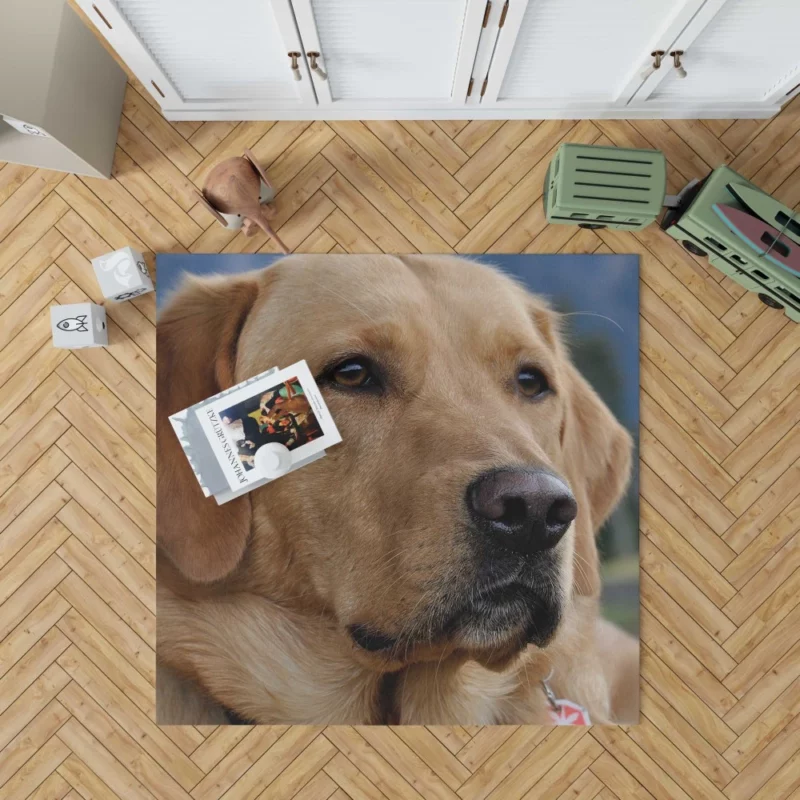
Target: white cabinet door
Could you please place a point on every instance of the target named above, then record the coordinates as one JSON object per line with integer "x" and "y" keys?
{"x": 208, "y": 55}
{"x": 562, "y": 54}
{"x": 390, "y": 54}
{"x": 736, "y": 51}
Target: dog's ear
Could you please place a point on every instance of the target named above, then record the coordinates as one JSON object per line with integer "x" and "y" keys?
{"x": 197, "y": 338}
{"x": 597, "y": 453}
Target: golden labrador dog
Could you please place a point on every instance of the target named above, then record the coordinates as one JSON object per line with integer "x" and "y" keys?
{"x": 437, "y": 565}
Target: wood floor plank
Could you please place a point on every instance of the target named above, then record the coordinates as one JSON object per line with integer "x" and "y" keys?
{"x": 492, "y": 153}
{"x": 37, "y": 769}
{"x": 696, "y": 460}
{"x": 769, "y": 724}
{"x": 227, "y": 766}
{"x": 683, "y": 555}
{"x": 286, "y": 153}
{"x": 684, "y": 737}
{"x": 119, "y": 744}
{"x": 84, "y": 782}
{"x": 516, "y": 200}
{"x": 685, "y": 484}
{"x": 144, "y": 189}
{"x": 113, "y": 444}
{"x": 30, "y": 267}
{"x": 437, "y": 143}
{"x": 476, "y": 133}
{"x": 701, "y": 429}
{"x": 120, "y": 708}
{"x": 777, "y": 392}
{"x": 105, "y": 548}
{"x": 112, "y": 627}
{"x": 209, "y": 135}
{"x": 136, "y": 108}
{"x": 105, "y": 474}
{"x": 80, "y": 742}
{"x": 12, "y": 176}
{"x": 767, "y": 508}
{"x": 24, "y": 419}
{"x": 39, "y": 294}
{"x": 670, "y": 578}
{"x": 689, "y": 633}
{"x": 157, "y": 165}
{"x": 40, "y": 582}
{"x": 30, "y": 522}
{"x": 766, "y": 143}
{"x": 83, "y": 201}
{"x": 759, "y": 623}
{"x": 510, "y": 172}
{"x": 365, "y": 216}
{"x": 30, "y": 193}
{"x": 426, "y": 168}
{"x": 131, "y": 213}
{"x": 32, "y": 228}
{"x": 393, "y": 188}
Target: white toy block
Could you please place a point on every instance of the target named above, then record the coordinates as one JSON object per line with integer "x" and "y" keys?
{"x": 78, "y": 325}
{"x": 122, "y": 274}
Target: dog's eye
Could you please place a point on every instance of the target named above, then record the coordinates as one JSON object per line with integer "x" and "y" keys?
{"x": 532, "y": 382}
{"x": 353, "y": 373}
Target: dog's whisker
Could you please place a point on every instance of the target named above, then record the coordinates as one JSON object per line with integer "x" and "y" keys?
{"x": 592, "y": 314}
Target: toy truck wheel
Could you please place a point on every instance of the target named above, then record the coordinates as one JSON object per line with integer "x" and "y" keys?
{"x": 592, "y": 226}
{"x": 693, "y": 248}
{"x": 769, "y": 301}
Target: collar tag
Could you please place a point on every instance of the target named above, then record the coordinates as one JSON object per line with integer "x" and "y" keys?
{"x": 564, "y": 712}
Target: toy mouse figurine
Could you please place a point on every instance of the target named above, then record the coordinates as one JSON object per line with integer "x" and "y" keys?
{"x": 236, "y": 192}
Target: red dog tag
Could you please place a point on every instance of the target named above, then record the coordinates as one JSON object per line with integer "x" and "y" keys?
{"x": 569, "y": 713}
{"x": 564, "y": 712}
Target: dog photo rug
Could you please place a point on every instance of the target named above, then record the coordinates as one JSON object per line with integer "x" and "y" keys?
{"x": 410, "y": 495}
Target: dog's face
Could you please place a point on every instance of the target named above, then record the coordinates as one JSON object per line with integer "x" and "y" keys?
{"x": 460, "y": 509}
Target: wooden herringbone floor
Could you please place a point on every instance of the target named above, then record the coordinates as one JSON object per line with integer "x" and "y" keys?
{"x": 720, "y": 471}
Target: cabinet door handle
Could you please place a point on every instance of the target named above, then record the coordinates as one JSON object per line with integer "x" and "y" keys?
{"x": 295, "y": 66}
{"x": 676, "y": 60}
{"x": 657, "y": 56}
{"x": 312, "y": 57}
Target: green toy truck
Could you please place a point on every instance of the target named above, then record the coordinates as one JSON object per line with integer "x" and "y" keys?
{"x": 701, "y": 231}
{"x": 612, "y": 187}
{"x": 605, "y": 187}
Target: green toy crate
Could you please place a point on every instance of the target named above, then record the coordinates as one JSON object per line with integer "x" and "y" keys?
{"x": 605, "y": 187}
{"x": 698, "y": 228}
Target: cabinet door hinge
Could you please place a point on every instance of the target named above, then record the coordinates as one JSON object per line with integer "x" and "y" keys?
{"x": 486, "y": 13}
{"x": 503, "y": 15}
{"x": 469, "y": 88}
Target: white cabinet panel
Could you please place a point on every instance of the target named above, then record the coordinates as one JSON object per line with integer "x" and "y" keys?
{"x": 391, "y": 52}
{"x": 574, "y": 51}
{"x": 208, "y": 52}
{"x": 748, "y": 51}
{"x": 417, "y": 59}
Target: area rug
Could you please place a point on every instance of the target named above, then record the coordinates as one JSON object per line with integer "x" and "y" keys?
{"x": 398, "y": 490}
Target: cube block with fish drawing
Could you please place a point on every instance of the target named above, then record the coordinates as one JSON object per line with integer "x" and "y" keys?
{"x": 123, "y": 274}
{"x": 78, "y": 325}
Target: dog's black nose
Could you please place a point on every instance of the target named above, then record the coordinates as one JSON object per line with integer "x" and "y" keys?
{"x": 523, "y": 510}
